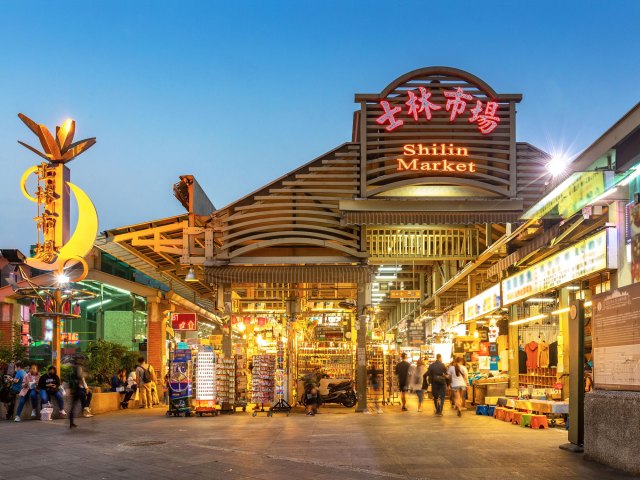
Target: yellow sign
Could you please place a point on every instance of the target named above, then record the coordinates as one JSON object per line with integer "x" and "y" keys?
{"x": 54, "y": 250}
{"x": 405, "y": 294}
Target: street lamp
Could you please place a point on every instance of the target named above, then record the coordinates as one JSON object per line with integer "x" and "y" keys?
{"x": 557, "y": 165}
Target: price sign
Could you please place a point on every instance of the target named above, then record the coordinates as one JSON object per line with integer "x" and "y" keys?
{"x": 184, "y": 321}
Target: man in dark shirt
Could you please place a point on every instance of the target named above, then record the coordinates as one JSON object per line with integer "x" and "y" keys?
{"x": 436, "y": 374}
{"x": 49, "y": 386}
{"x": 402, "y": 370}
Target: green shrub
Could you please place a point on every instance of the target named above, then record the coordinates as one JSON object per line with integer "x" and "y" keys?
{"x": 104, "y": 359}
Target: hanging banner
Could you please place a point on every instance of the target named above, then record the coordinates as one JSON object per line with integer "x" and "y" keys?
{"x": 582, "y": 259}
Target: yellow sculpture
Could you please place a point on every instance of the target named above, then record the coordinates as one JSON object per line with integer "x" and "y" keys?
{"x": 54, "y": 249}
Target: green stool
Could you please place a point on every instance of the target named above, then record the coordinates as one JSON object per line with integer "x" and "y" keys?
{"x": 526, "y": 419}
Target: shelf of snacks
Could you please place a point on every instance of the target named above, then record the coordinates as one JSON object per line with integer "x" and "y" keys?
{"x": 336, "y": 361}
{"x": 242, "y": 379}
{"x": 225, "y": 381}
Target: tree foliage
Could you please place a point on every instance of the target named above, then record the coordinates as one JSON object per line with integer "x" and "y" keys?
{"x": 104, "y": 359}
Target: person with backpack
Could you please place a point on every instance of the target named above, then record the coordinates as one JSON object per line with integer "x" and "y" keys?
{"x": 402, "y": 371}
{"x": 144, "y": 374}
{"x": 437, "y": 375}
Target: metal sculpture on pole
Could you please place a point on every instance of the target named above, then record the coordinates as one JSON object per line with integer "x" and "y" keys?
{"x": 55, "y": 251}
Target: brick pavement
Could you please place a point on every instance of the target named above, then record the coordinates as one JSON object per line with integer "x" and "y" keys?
{"x": 334, "y": 444}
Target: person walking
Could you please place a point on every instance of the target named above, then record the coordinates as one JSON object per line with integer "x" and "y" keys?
{"x": 376, "y": 375}
{"x": 49, "y": 386}
{"x": 437, "y": 376}
{"x": 402, "y": 371}
{"x": 28, "y": 392}
{"x": 145, "y": 381}
{"x": 79, "y": 392}
{"x": 419, "y": 381}
{"x": 459, "y": 381}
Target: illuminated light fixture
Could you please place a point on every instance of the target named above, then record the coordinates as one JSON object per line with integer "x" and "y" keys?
{"x": 560, "y": 312}
{"x": 476, "y": 334}
{"x": 588, "y": 304}
{"x": 97, "y": 304}
{"x": 62, "y": 279}
{"x": 121, "y": 290}
{"x": 389, "y": 269}
{"x": 386, "y": 278}
{"x": 629, "y": 178}
{"x": 191, "y": 276}
{"x": 529, "y": 319}
{"x": 540, "y": 300}
{"x": 557, "y": 165}
{"x": 480, "y": 322}
{"x": 573, "y": 287}
{"x": 241, "y": 327}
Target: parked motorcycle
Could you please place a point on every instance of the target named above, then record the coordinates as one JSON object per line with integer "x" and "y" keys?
{"x": 341, "y": 393}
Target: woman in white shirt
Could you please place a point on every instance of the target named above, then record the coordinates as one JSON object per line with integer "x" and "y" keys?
{"x": 459, "y": 381}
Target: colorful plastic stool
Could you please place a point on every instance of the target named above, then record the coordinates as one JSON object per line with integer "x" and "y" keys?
{"x": 508, "y": 415}
{"x": 482, "y": 410}
{"x": 539, "y": 421}
{"x": 526, "y": 419}
{"x": 491, "y": 410}
{"x": 500, "y": 412}
{"x": 517, "y": 418}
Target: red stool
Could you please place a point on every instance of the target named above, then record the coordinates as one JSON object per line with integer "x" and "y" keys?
{"x": 508, "y": 415}
{"x": 539, "y": 421}
{"x": 500, "y": 412}
{"x": 517, "y": 418}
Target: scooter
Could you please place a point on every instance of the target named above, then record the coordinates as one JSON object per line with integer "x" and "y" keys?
{"x": 341, "y": 393}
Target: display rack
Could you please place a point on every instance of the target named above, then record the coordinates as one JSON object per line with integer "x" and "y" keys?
{"x": 242, "y": 382}
{"x": 335, "y": 361}
{"x": 225, "y": 383}
{"x": 376, "y": 358}
{"x": 391, "y": 388}
{"x": 263, "y": 379}
{"x": 539, "y": 377}
{"x": 205, "y": 387}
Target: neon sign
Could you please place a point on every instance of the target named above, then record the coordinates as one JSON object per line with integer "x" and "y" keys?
{"x": 444, "y": 165}
{"x": 484, "y": 115}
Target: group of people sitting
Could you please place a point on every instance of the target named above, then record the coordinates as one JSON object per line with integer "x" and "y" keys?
{"x": 141, "y": 382}
{"x": 29, "y": 386}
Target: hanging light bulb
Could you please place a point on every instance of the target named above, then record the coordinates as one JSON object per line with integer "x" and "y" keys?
{"x": 191, "y": 276}
{"x": 476, "y": 334}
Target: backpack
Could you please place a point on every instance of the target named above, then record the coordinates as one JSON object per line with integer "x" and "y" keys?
{"x": 147, "y": 377}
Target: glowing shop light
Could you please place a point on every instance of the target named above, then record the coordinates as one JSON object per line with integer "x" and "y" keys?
{"x": 529, "y": 319}
{"x": 62, "y": 279}
{"x": 389, "y": 269}
{"x": 540, "y": 300}
{"x": 560, "y": 312}
{"x": 97, "y": 304}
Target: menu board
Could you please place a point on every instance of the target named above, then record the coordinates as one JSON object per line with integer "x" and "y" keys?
{"x": 481, "y": 304}
{"x": 616, "y": 339}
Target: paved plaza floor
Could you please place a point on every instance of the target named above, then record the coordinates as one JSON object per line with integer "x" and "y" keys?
{"x": 145, "y": 444}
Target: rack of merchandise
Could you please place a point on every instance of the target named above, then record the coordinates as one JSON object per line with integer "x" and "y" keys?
{"x": 263, "y": 379}
{"x": 337, "y": 361}
{"x": 242, "y": 381}
{"x": 225, "y": 375}
{"x": 539, "y": 377}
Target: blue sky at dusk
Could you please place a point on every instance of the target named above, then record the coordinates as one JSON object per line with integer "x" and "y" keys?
{"x": 238, "y": 93}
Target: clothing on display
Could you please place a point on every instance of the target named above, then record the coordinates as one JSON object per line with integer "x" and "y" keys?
{"x": 553, "y": 354}
{"x": 522, "y": 361}
{"x": 531, "y": 350}
{"x": 543, "y": 354}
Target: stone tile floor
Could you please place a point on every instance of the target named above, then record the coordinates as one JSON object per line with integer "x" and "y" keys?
{"x": 334, "y": 444}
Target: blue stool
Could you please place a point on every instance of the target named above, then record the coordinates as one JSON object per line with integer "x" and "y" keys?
{"x": 482, "y": 410}
{"x": 491, "y": 410}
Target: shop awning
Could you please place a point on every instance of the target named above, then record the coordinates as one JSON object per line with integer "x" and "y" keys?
{"x": 427, "y": 218}
{"x": 290, "y": 274}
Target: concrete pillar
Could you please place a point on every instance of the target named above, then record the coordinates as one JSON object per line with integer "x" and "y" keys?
{"x": 363, "y": 304}
{"x": 227, "y": 296}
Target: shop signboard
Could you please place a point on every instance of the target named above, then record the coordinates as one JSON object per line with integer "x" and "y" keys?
{"x": 616, "y": 339}
{"x": 482, "y": 304}
{"x": 570, "y": 196}
{"x": 415, "y": 294}
{"x": 634, "y": 234}
{"x": 180, "y": 377}
{"x": 415, "y": 334}
{"x": 584, "y": 258}
{"x": 184, "y": 321}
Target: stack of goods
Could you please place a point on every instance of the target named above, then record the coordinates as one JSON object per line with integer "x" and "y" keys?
{"x": 242, "y": 380}
{"x": 263, "y": 378}
{"x": 205, "y": 387}
{"x": 225, "y": 380}
{"x": 337, "y": 362}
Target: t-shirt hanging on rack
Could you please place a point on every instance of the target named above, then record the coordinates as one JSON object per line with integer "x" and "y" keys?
{"x": 531, "y": 349}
